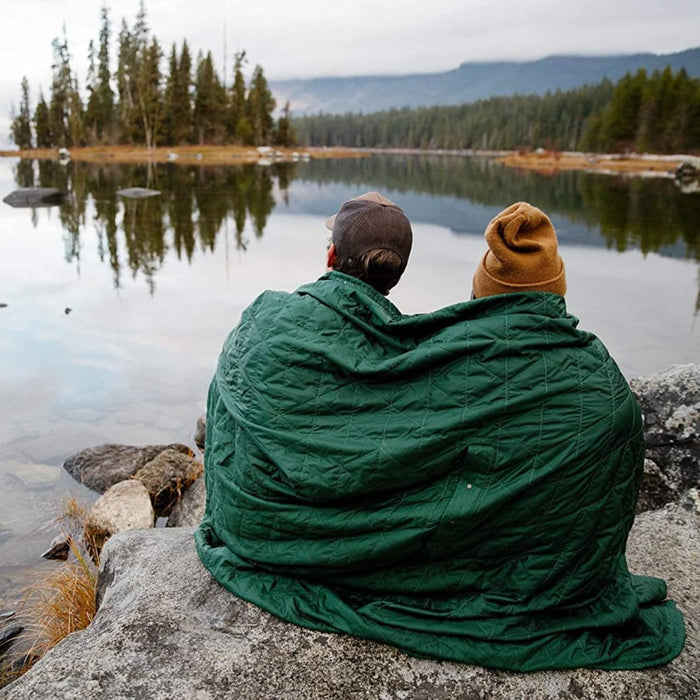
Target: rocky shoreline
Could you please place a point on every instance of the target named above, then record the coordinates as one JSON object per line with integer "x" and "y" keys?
{"x": 164, "y": 628}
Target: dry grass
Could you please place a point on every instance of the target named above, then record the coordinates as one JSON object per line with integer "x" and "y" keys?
{"x": 551, "y": 162}
{"x": 57, "y": 604}
{"x": 186, "y": 155}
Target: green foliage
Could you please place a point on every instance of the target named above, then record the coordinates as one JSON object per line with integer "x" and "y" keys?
{"x": 209, "y": 102}
{"x": 42, "y": 127}
{"x": 178, "y": 100}
{"x": 658, "y": 113}
{"x": 21, "y": 124}
{"x": 149, "y": 107}
{"x": 259, "y": 107}
{"x": 240, "y": 132}
{"x": 285, "y": 134}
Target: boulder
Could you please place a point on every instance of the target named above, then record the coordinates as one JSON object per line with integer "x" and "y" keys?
{"x": 200, "y": 431}
{"x": 166, "y": 476}
{"x": 164, "y": 628}
{"x": 190, "y": 510}
{"x": 670, "y": 402}
{"x": 100, "y": 467}
{"x": 124, "y": 506}
{"x": 34, "y": 197}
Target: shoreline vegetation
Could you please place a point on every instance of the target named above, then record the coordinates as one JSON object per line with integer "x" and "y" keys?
{"x": 185, "y": 155}
{"x": 544, "y": 162}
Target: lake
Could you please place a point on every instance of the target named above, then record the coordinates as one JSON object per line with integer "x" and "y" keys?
{"x": 116, "y": 309}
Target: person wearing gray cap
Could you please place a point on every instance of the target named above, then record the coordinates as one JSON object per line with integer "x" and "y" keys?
{"x": 371, "y": 239}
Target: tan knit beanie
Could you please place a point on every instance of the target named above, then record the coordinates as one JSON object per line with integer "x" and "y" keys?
{"x": 522, "y": 254}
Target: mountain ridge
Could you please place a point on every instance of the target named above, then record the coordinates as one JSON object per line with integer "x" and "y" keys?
{"x": 469, "y": 82}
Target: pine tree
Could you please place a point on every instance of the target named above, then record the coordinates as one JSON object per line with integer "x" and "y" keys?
{"x": 183, "y": 131}
{"x": 76, "y": 117}
{"x": 92, "y": 109}
{"x": 149, "y": 94}
{"x": 21, "y": 124}
{"x": 178, "y": 105}
{"x": 236, "y": 103}
{"x": 41, "y": 123}
{"x": 105, "y": 93}
{"x": 260, "y": 105}
{"x": 125, "y": 66}
{"x": 209, "y": 102}
{"x": 285, "y": 135}
{"x": 61, "y": 93}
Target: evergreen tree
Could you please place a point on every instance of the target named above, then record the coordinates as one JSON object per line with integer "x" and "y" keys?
{"x": 183, "y": 105}
{"x": 209, "y": 102}
{"x": 92, "y": 109}
{"x": 149, "y": 94}
{"x": 21, "y": 124}
{"x": 236, "y": 105}
{"x": 125, "y": 65}
{"x": 285, "y": 135}
{"x": 105, "y": 93}
{"x": 178, "y": 106}
{"x": 259, "y": 107}
{"x": 61, "y": 94}
{"x": 41, "y": 123}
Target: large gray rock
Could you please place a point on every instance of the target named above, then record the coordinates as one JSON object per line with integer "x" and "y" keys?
{"x": 166, "y": 629}
{"x": 124, "y": 506}
{"x": 166, "y": 477}
{"x": 670, "y": 401}
{"x": 190, "y": 510}
{"x": 34, "y": 197}
{"x": 100, "y": 467}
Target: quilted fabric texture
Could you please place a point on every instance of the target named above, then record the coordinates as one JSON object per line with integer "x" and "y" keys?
{"x": 459, "y": 484}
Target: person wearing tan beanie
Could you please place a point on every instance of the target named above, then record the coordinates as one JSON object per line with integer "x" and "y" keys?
{"x": 523, "y": 255}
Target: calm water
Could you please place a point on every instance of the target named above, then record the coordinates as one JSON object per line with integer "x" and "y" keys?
{"x": 153, "y": 286}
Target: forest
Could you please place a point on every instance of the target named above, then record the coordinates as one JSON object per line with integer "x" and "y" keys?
{"x": 141, "y": 103}
{"x": 658, "y": 113}
{"x": 144, "y": 103}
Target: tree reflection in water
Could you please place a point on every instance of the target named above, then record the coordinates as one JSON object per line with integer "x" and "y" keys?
{"x": 198, "y": 202}
{"x": 195, "y": 204}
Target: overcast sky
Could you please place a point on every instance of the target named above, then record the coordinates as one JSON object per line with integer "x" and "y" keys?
{"x": 304, "y": 38}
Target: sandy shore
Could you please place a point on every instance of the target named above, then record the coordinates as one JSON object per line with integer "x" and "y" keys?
{"x": 204, "y": 155}
{"x": 551, "y": 162}
{"x": 547, "y": 162}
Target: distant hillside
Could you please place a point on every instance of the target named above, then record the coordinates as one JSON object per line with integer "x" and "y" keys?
{"x": 469, "y": 82}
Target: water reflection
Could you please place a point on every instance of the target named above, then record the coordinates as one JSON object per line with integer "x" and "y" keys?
{"x": 199, "y": 202}
{"x": 195, "y": 204}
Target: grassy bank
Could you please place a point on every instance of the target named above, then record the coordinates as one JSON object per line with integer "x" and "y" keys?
{"x": 207, "y": 155}
{"x": 551, "y": 162}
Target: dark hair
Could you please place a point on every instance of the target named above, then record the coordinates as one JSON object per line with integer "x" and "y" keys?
{"x": 380, "y": 268}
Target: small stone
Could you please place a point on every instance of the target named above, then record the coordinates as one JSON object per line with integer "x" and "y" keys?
{"x": 137, "y": 192}
{"x": 8, "y": 634}
{"x": 58, "y": 549}
{"x": 200, "y": 431}
{"x": 166, "y": 477}
{"x": 124, "y": 506}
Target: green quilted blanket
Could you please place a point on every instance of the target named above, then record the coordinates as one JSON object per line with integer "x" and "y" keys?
{"x": 459, "y": 484}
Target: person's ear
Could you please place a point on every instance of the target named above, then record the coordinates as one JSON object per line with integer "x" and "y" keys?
{"x": 330, "y": 257}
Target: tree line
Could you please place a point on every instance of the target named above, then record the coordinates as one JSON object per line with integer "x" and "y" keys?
{"x": 658, "y": 113}
{"x": 144, "y": 103}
